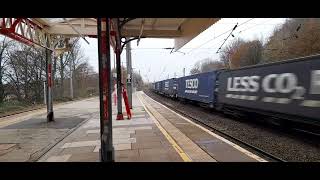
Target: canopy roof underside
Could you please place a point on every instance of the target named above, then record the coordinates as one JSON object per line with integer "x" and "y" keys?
{"x": 182, "y": 30}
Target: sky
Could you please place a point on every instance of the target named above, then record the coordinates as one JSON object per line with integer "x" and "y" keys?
{"x": 155, "y": 63}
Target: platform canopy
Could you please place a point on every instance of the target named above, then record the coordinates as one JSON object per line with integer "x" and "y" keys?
{"x": 182, "y": 30}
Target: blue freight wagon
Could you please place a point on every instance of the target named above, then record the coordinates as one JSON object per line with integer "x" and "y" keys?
{"x": 157, "y": 86}
{"x": 198, "y": 87}
{"x": 161, "y": 87}
{"x": 169, "y": 87}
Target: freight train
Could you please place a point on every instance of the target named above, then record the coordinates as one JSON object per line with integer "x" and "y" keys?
{"x": 286, "y": 91}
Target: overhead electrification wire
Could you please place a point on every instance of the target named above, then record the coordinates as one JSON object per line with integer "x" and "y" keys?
{"x": 294, "y": 34}
{"x": 255, "y": 25}
{"x": 234, "y": 28}
{"x": 238, "y": 33}
{"x": 252, "y": 27}
{"x": 219, "y": 35}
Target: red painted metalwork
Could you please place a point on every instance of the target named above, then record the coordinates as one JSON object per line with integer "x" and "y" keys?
{"x": 107, "y": 150}
{"x": 113, "y": 34}
{"x": 104, "y": 73}
{"x": 115, "y": 94}
{"x": 126, "y": 102}
{"x": 120, "y": 117}
{"x": 9, "y": 27}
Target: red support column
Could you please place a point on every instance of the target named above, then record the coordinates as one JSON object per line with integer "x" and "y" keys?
{"x": 106, "y": 151}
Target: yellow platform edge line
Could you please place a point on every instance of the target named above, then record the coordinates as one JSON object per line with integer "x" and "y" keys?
{"x": 179, "y": 150}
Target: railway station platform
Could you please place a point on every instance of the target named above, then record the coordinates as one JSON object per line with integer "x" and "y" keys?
{"x": 154, "y": 134}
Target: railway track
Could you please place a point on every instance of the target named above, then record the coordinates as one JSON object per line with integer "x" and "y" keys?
{"x": 273, "y": 145}
{"x": 20, "y": 112}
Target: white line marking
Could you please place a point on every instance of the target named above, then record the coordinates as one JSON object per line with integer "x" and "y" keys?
{"x": 268, "y": 99}
{"x": 311, "y": 103}
{"x": 215, "y": 135}
{"x": 283, "y": 100}
{"x": 236, "y": 96}
{"x": 252, "y": 98}
{"x": 243, "y": 97}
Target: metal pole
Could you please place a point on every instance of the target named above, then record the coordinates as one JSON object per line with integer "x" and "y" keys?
{"x": 71, "y": 79}
{"x": 119, "y": 78}
{"x": 129, "y": 72}
{"x": 106, "y": 151}
{"x": 49, "y": 82}
{"x": 184, "y": 72}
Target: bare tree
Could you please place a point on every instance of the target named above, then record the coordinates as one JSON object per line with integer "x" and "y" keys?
{"x": 253, "y": 54}
{"x": 196, "y": 68}
{"x": 242, "y": 53}
{"x": 137, "y": 81}
{"x": 227, "y": 53}
{"x": 207, "y": 65}
{"x": 23, "y": 72}
{"x": 295, "y": 38}
{"x": 37, "y": 74}
{"x": 63, "y": 67}
{"x": 4, "y": 57}
{"x": 26, "y": 72}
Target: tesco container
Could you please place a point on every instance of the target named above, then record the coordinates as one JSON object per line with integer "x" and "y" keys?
{"x": 198, "y": 87}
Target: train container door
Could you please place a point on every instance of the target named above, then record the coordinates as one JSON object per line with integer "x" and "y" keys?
{"x": 162, "y": 87}
{"x": 174, "y": 87}
{"x": 153, "y": 86}
{"x": 169, "y": 87}
{"x": 166, "y": 87}
{"x": 157, "y": 86}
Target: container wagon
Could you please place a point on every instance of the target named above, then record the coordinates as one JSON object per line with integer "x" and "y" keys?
{"x": 288, "y": 89}
{"x": 170, "y": 87}
{"x": 198, "y": 87}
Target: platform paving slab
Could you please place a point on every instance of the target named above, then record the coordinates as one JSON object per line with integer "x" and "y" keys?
{"x": 141, "y": 140}
{"x": 33, "y": 135}
{"x": 133, "y": 140}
